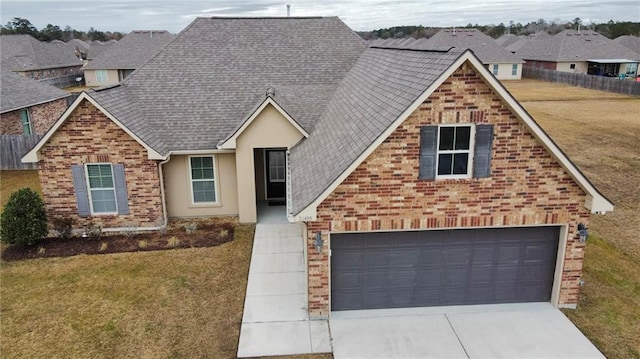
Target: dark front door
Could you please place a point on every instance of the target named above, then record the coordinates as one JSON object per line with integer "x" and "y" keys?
{"x": 276, "y": 174}
{"x": 447, "y": 267}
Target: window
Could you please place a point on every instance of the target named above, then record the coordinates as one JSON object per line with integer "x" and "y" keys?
{"x": 454, "y": 155}
{"x": 102, "y": 191}
{"x": 203, "y": 185}
{"x": 101, "y": 76}
{"x": 276, "y": 166}
{"x": 455, "y": 151}
{"x": 572, "y": 66}
{"x": 25, "y": 119}
{"x": 495, "y": 69}
{"x": 514, "y": 70}
{"x": 632, "y": 68}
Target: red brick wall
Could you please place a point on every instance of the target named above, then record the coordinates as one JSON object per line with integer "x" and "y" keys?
{"x": 527, "y": 186}
{"x": 89, "y": 136}
{"x": 43, "y": 116}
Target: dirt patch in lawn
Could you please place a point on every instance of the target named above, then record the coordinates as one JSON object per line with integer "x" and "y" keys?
{"x": 204, "y": 233}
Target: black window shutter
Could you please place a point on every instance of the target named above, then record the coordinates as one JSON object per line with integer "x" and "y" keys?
{"x": 80, "y": 187}
{"x": 482, "y": 154}
{"x": 428, "y": 152}
{"x": 121, "y": 189}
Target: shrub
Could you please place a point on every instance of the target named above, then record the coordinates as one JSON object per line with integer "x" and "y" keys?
{"x": 64, "y": 227}
{"x": 191, "y": 228}
{"x": 24, "y": 219}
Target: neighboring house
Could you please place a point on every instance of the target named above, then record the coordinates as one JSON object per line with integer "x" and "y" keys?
{"x": 426, "y": 180}
{"x": 630, "y": 42}
{"x": 121, "y": 59}
{"x": 503, "y": 64}
{"x": 583, "y": 51}
{"x": 28, "y": 106}
{"x": 53, "y": 62}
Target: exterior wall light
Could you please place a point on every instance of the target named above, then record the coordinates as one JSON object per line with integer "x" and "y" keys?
{"x": 318, "y": 242}
{"x": 582, "y": 232}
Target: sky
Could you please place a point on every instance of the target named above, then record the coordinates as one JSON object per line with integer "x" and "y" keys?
{"x": 361, "y": 15}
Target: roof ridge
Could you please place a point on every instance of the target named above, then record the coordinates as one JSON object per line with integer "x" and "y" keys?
{"x": 266, "y": 17}
{"x": 411, "y": 49}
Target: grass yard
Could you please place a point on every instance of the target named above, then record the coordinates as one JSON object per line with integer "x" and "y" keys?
{"x": 184, "y": 303}
{"x": 600, "y": 132}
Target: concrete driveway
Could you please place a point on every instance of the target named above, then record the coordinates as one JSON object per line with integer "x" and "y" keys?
{"x": 532, "y": 330}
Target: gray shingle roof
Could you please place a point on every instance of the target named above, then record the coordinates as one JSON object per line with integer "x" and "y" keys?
{"x": 131, "y": 52}
{"x": 24, "y": 53}
{"x": 572, "y": 45}
{"x": 507, "y": 39}
{"x": 19, "y": 92}
{"x": 377, "y": 90}
{"x": 483, "y": 46}
{"x": 629, "y": 41}
{"x": 197, "y": 90}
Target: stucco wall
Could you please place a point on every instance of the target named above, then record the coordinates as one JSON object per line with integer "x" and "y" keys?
{"x": 527, "y": 186}
{"x": 91, "y": 80}
{"x": 42, "y": 116}
{"x": 179, "y": 196}
{"x": 268, "y": 130}
{"x": 88, "y": 136}
{"x": 505, "y": 71}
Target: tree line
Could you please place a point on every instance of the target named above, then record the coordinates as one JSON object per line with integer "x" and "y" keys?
{"x": 51, "y": 32}
{"x": 610, "y": 29}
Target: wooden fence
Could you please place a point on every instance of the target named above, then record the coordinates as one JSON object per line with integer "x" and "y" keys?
{"x": 609, "y": 84}
{"x": 13, "y": 147}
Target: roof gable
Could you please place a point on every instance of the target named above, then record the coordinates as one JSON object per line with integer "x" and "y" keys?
{"x": 230, "y": 142}
{"x": 34, "y": 156}
{"x": 307, "y": 177}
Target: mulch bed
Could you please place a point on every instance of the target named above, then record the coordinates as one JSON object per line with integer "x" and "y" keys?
{"x": 207, "y": 234}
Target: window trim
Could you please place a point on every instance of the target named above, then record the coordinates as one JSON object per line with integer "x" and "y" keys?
{"x": 28, "y": 123}
{"x": 215, "y": 181}
{"x": 514, "y": 69}
{"x": 284, "y": 167}
{"x": 496, "y": 69}
{"x": 102, "y": 76}
{"x": 470, "y": 151}
{"x": 89, "y": 189}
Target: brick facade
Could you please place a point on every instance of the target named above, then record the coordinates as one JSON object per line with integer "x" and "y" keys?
{"x": 527, "y": 186}
{"x": 42, "y": 116}
{"x": 88, "y": 136}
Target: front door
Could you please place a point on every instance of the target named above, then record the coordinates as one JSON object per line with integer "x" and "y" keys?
{"x": 276, "y": 175}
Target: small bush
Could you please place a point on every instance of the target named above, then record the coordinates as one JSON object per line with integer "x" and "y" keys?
{"x": 191, "y": 228}
{"x": 24, "y": 219}
{"x": 64, "y": 227}
{"x": 173, "y": 242}
{"x": 92, "y": 230}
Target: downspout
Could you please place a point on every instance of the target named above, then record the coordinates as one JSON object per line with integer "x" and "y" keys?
{"x": 165, "y": 218}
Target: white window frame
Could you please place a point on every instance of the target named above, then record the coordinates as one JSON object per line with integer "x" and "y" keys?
{"x": 102, "y": 76}
{"x": 470, "y": 151}
{"x": 215, "y": 181}
{"x": 28, "y": 113}
{"x": 514, "y": 69}
{"x": 496, "y": 69}
{"x": 89, "y": 189}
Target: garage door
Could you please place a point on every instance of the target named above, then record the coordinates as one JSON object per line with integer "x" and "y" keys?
{"x": 444, "y": 267}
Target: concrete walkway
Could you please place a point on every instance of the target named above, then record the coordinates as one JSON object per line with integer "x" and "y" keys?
{"x": 275, "y": 319}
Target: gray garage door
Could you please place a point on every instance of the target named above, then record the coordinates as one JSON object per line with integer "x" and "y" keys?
{"x": 444, "y": 267}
